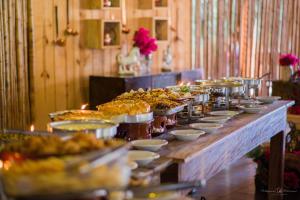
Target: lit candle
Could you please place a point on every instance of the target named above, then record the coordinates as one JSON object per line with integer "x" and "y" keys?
{"x": 83, "y": 107}
{"x": 31, "y": 128}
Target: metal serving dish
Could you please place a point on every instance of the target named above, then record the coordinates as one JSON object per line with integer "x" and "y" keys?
{"x": 139, "y": 118}
{"x": 101, "y": 128}
{"x": 59, "y": 114}
{"x": 169, "y": 111}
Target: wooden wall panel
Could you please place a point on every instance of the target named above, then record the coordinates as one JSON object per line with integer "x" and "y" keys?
{"x": 60, "y": 73}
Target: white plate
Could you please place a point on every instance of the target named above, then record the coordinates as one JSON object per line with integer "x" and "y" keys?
{"x": 142, "y": 158}
{"x": 268, "y": 99}
{"x": 187, "y": 135}
{"x": 207, "y": 127}
{"x": 252, "y": 109}
{"x": 224, "y": 113}
{"x": 149, "y": 145}
{"x": 217, "y": 119}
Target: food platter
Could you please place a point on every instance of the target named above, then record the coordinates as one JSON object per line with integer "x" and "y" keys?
{"x": 169, "y": 111}
{"x": 76, "y": 115}
{"x": 139, "y": 118}
{"x": 73, "y": 175}
{"x": 101, "y": 128}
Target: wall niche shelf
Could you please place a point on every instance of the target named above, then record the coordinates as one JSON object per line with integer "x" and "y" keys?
{"x": 150, "y": 4}
{"x": 101, "y": 34}
{"x": 100, "y": 4}
{"x": 161, "y": 3}
{"x": 157, "y": 26}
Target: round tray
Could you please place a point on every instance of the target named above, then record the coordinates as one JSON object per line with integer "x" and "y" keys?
{"x": 106, "y": 132}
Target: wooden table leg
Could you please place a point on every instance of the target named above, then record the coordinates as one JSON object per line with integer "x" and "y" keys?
{"x": 276, "y": 166}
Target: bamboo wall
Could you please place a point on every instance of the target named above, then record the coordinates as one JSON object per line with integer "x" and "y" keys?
{"x": 244, "y": 37}
{"x": 60, "y": 74}
{"x": 14, "y": 63}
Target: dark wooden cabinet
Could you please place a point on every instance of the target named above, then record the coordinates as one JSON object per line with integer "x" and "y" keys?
{"x": 105, "y": 88}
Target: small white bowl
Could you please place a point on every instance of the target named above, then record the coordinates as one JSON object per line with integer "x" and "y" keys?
{"x": 149, "y": 145}
{"x": 268, "y": 99}
{"x": 206, "y": 127}
{"x": 187, "y": 135}
{"x": 216, "y": 119}
{"x": 132, "y": 165}
{"x": 142, "y": 158}
{"x": 228, "y": 113}
{"x": 252, "y": 109}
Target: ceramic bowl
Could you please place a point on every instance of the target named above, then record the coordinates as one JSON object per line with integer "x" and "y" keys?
{"x": 252, "y": 109}
{"x": 268, "y": 99}
{"x": 149, "y": 145}
{"x": 187, "y": 135}
{"x": 206, "y": 127}
{"x": 132, "y": 165}
{"x": 215, "y": 119}
{"x": 142, "y": 158}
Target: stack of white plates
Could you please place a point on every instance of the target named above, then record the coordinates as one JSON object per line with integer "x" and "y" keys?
{"x": 268, "y": 99}
{"x": 142, "y": 158}
{"x": 149, "y": 145}
{"x": 215, "y": 119}
{"x": 206, "y": 127}
{"x": 187, "y": 134}
{"x": 252, "y": 109}
{"x": 228, "y": 113}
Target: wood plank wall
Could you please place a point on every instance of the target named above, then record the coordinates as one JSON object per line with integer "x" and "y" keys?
{"x": 60, "y": 74}
{"x": 245, "y": 37}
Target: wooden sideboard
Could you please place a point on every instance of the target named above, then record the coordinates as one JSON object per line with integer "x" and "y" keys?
{"x": 105, "y": 88}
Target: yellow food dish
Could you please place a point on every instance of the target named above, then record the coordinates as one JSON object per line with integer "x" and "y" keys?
{"x": 78, "y": 115}
{"x": 49, "y": 177}
{"x": 121, "y": 107}
{"x": 81, "y": 126}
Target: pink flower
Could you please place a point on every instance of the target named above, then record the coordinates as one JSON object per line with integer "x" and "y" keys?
{"x": 291, "y": 180}
{"x": 296, "y": 153}
{"x": 144, "y": 42}
{"x": 288, "y": 59}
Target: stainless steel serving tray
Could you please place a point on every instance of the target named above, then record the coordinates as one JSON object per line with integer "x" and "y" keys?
{"x": 106, "y": 132}
{"x": 169, "y": 111}
{"x": 139, "y": 118}
{"x": 53, "y": 115}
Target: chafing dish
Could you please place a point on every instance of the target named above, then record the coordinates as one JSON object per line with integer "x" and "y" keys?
{"x": 101, "y": 128}
{"x": 222, "y": 90}
{"x": 249, "y": 83}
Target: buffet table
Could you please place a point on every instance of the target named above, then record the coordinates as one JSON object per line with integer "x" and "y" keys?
{"x": 205, "y": 157}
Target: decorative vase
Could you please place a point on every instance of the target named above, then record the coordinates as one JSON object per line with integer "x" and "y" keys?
{"x": 146, "y": 64}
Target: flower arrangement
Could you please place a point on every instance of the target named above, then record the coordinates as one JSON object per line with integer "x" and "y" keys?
{"x": 291, "y": 61}
{"x": 261, "y": 156}
{"x": 288, "y": 60}
{"x": 144, "y": 42}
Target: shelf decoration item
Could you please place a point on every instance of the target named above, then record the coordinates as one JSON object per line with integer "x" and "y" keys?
{"x": 289, "y": 63}
{"x": 100, "y": 4}
{"x": 107, "y": 39}
{"x": 167, "y": 59}
{"x": 128, "y": 64}
{"x": 101, "y": 34}
{"x": 106, "y": 3}
{"x": 147, "y": 45}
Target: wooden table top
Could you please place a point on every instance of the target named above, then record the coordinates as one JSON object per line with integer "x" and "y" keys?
{"x": 235, "y": 129}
